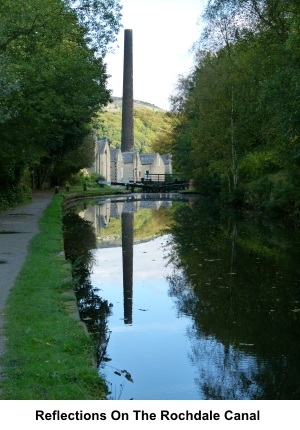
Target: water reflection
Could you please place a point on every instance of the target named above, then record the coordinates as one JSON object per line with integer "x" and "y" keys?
{"x": 101, "y": 215}
{"x": 127, "y": 258}
{"x": 242, "y": 278}
{"x": 79, "y": 243}
{"x": 209, "y": 309}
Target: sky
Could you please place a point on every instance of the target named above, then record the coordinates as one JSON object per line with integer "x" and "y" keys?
{"x": 164, "y": 32}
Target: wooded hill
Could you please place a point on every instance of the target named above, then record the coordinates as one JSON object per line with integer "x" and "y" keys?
{"x": 150, "y": 123}
{"x": 117, "y": 104}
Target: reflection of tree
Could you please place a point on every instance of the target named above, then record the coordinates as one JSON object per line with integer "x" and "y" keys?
{"x": 182, "y": 293}
{"x": 246, "y": 307}
{"x": 224, "y": 371}
{"x": 79, "y": 242}
{"x": 220, "y": 374}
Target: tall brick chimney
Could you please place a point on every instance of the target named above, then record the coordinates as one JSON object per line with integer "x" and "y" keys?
{"x": 127, "y": 142}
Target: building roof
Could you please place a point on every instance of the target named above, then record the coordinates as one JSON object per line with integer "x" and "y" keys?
{"x": 115, "y": 154}
{"x": 167, "y": 158}
{"x": 102, "y": 144}
{"x": 128, "y": 156}
{"x": 147, "y": 158}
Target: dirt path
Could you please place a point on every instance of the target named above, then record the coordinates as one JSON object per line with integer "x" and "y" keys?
{"x": 17, "y": 227}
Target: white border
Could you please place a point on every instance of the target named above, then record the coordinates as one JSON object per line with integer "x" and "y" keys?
{"x": 271, "y": 412}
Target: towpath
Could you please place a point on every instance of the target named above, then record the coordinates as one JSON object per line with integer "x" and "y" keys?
{"x": 17, "y": 227}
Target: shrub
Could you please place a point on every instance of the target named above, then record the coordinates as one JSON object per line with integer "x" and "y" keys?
{"x": 15, "y": 195}
{"x": 257, "y": 164}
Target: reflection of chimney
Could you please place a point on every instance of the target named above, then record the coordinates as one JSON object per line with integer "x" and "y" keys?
{"x": 127, "y": 254}
{"x": 127, "y": 103}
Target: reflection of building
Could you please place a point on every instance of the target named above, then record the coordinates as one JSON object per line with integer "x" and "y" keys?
{"x": 131, "y": 206}
{"x": 150, "y": 204}
{"x": 98, "y": 215}
{"x": 101, "y": 214}
{"x": 89, "y": 214}
{"x": 166, "y": 204}
{"x": 116, "y": 209}
{"x": 125, "y": 208}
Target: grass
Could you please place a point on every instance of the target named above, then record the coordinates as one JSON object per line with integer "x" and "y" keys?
{"x": 49, "y": 354}
{"x": 77, "y": 192}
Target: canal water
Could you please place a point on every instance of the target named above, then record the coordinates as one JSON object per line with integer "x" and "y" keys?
{"x": 187, "y": 301}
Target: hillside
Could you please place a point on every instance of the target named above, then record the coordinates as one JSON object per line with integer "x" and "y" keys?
{"x": 150, "y": 122}
{"x": 117, "y": 105}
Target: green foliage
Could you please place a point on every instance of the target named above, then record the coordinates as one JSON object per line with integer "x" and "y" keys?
{"x": 208, "y": 185}
{"x": 52, "y": 79}
{"x": 149, "y": 124}
{"x": 237, "y": 116}
{"x": 74, "y": 160}
{"x": 285, "y": 199}
{"x": 102, "y": 19}
{"x": 259, "y": 192}
{"x": 258, "y": 163}
{"x": 215, "y": 288}
{"x": 14, "y": 191}
{"x": 14, "y": 195}
{"x": 93, "y": 179}
{"x": 49, "y": 355}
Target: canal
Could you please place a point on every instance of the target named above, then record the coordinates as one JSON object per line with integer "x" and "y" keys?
{"x": 185, "y": 300}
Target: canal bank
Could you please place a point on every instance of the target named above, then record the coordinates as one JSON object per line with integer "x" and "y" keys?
{"x": 45, "y": 352}
{"x": 17, "y": 227}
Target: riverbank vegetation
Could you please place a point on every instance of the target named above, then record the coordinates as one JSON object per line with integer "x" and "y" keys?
{"x": 53, "y": 81}
{"x": 236, "y": 117}
{"x": 49, "y": 354}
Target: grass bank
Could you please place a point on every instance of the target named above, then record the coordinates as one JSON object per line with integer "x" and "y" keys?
{"x": 49, "y": 354}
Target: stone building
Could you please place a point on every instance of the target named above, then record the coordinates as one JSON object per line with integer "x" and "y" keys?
{"x": 167, "y": 159}
{"x": 151, "y": 164}
{"x": 102, "y": 159}
{"x": 132, "y": 166}
{"x": 116, "y": 165}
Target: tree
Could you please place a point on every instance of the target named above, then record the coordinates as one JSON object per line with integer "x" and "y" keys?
{"x": 53, "y": 82}
{"x": 184, "y": 161}
{"x": 102, "y": 19}
{"x": 240, "y": 102}
{"x": 74, "y": 160}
